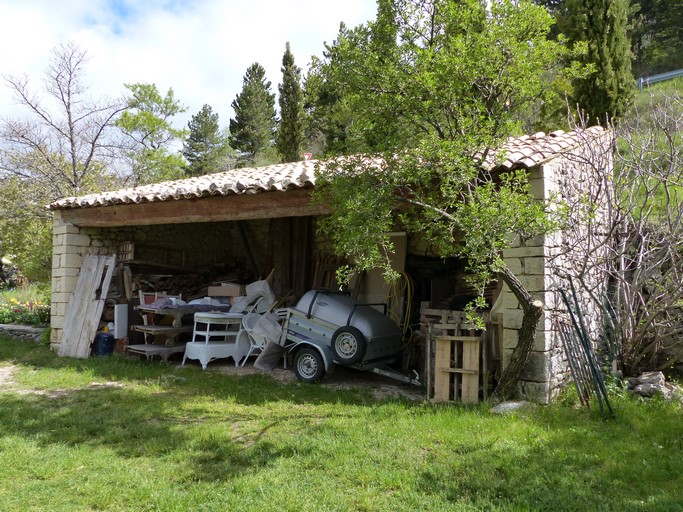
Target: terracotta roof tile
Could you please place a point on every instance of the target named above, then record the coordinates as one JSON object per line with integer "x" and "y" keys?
{"x": 527, "y": 151}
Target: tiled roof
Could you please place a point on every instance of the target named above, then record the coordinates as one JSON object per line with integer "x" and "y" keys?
{"x": 526, "y": 151}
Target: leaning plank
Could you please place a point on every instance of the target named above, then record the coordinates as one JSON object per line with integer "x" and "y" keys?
{"x": 85, "y": 305}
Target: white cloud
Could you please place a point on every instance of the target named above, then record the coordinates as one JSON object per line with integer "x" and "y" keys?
{"x": 201, "y": 48}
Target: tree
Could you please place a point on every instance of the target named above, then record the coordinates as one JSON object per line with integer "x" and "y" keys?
{"x": 150, "y": 134}
{"x": 290, "y": 135}
{"x": 435, "y": 85}
{"x": 63, "y": 148}
{"x": 657, "y": 37}
{"x": 252, "y": 130}
{"x": 602, "y": 25}
{"x": 206, "y": 148}
{"x": 638, "y": 245}
{"x": 329, "y": 114}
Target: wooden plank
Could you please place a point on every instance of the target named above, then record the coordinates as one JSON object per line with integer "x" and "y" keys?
{"x": 85, "y": 305}
{"x": 442, "y": 354}
{"x": 93, "y": 314}
{"x": 470, "y": 381}
{"x": 458, "y": 370}
{"x": 446, "y": 337}
{"x": 81, "y": 343}
{"x": 264, "y": 205}
{"x": 72, "y": 319}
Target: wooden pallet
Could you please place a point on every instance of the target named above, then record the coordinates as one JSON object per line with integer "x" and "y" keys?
{"x": 456, "y": 368}
{"x": 443, "y": 323}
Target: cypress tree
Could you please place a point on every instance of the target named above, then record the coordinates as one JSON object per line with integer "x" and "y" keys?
{"x": 206, "y": 147}
{"x": 290, "y": 137}
{"x": 252, "y": 130}
{"x": 602, "y": 25}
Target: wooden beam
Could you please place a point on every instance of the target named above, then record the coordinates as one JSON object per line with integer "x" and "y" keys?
{"x": 292, "y": 203}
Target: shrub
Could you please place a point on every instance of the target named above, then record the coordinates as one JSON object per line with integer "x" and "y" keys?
{"x": 27, "y": 305}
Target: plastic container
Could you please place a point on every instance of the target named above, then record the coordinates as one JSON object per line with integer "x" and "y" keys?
{"x": 104, "y": 344}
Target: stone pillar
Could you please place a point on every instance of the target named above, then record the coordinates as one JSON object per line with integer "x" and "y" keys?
{"x": 69, "y": 245}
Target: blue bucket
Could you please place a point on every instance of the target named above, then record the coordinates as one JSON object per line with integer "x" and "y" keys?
{"x": 104, "y": 344}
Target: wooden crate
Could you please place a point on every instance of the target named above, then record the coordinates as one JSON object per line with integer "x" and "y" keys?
{"x": 456, "y": 368}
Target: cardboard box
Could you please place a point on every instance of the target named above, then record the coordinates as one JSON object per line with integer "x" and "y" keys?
{"x": 226, "y": 290}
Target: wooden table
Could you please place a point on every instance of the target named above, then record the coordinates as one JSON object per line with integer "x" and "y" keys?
{"x": 172, "y": 332}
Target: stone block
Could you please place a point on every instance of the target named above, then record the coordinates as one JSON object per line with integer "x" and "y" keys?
{"x": 68, "y": 284}
{"x": 537, "y": 188}
{"x": 537, "y": 392}
{"x": 63, "y": 229}
{"x": 533, "y": 283}
{"x": 75, "y": 240}
{"x": 508, "y": 300}
{"x": 523, "y": 252}
{"x": 538, "y": 367}
{"x": 57, "y": 322}
{"x": 513, "y": 318}
{"x": 58, "y": 309}
{"x": 515, "y": 265}
{"x": 509, "y": 338}
{"x": 72, "y": 260}
{"x": 65, "y": 272}
{"x": 533, "y": 266}
{"x": 541, "y": 339}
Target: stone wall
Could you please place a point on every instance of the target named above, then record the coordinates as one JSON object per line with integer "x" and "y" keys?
{"x": 542, "y": 264}
{"x": 24, "y": 332}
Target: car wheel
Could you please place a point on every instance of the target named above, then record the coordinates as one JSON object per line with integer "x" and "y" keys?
{"x": 309, "y": 365}
{"x": 348, "y": 345}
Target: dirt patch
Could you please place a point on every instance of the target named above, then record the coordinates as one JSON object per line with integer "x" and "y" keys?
{"x": 7, "y": 383}
{"x": 342, "y": 378}
{"x": 6, "y": 376}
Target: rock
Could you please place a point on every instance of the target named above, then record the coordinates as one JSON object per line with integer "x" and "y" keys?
{"x": 511, "y": 406}
{"x": 647, "y": 390}
{"x": 655, "y": 378}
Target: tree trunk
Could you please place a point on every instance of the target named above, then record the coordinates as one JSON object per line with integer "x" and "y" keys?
{"x": 533, "y": 309}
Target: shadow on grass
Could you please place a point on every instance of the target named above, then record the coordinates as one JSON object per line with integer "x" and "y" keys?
{"x": 148, "y": 409}
{"x": 252, "y": 389}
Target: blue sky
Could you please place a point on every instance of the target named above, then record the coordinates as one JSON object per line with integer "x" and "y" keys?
{"x": 200, "y": 48}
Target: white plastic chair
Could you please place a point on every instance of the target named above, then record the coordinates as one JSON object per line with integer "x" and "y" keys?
{"x": 260, "y": 330}
{"x": 257, "y": 342}
{"x": 259, "y": 298}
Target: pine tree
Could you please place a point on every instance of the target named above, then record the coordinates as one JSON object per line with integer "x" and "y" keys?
{"x": 602, "y": 25}
{"x": 206, "y": 147}
{"x": 290, "y": 136}
{"x": 252, "y": 130}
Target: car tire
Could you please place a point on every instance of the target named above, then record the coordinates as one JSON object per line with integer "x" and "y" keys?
{"x": 308, "y": 365}
{"x": 348, "y": 345}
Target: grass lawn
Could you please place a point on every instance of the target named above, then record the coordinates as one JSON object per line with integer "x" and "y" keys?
{"x": 120, "y": 434}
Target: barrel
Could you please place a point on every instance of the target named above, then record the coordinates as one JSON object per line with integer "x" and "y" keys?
{"x": 104, "y": 344}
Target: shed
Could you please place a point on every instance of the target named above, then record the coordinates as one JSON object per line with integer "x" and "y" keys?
{"x": 245, "y": 222}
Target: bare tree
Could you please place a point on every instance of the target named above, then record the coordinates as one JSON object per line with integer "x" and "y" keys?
{"x": 62, "y": 147}
{"x": 636, "y": 247}
{"x": 64, "y": 142}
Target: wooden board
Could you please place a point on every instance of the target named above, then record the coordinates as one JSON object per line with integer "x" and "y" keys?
{"x": 85, "y": 305}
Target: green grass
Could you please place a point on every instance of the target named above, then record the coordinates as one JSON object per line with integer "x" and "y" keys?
{"x": 119, "y": 434}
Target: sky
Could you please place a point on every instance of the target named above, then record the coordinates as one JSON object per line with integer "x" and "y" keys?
{"x": 200, "y": 48}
